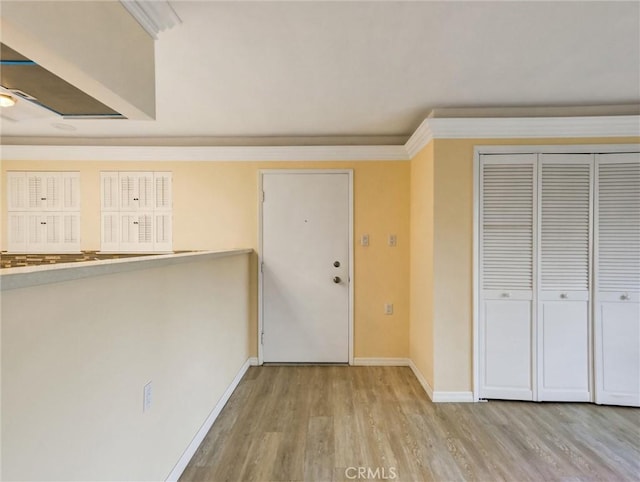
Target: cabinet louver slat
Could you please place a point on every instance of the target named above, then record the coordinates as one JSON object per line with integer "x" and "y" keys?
{"x": 507, "y": 226}
{"x": 619, "y": 226}
{"x": 564, "y": 241}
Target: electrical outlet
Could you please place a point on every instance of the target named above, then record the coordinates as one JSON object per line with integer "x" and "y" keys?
{"x": 393, "y": 240}
{"x": 364, "y": 240}
{"x": 146, "y": 397}
{"x": 388, "y": 308}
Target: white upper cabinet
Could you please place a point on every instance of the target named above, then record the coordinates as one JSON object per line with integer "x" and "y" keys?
{"x": 136, "y": 211}
{"x": 43, "y": 212}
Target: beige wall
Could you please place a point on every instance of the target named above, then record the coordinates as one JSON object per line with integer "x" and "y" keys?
{"x": 421, "y": 260}
{"x": 77, "y": 354}
{"x": 453, "y": 254}
{"x": 216, "y": 207}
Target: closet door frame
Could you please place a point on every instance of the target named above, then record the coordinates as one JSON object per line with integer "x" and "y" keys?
{"x": 515, "y": 149}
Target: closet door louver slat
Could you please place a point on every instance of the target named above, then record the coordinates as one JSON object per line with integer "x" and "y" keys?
{"x": 564, "y": 245}
{"x": 507, "y": 226}
{"x": 619, "y": 226}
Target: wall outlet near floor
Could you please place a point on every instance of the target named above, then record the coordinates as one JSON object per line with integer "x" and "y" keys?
{"x": 364, "y": 240}
{"x": 388, "y": 308}
{"x": 393, "y": 240}
{"x": 146, "y": 397}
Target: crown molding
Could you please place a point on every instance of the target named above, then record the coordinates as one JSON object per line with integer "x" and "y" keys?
{"x": 521, "y": 127}
{"x": 205, "y": 153}
{"x": 431, "y": 128}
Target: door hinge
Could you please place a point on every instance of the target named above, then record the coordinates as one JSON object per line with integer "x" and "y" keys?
{"x": 262, "y": 196}
{"x": 262, "y": 267}
{"x": 262, "y": 338}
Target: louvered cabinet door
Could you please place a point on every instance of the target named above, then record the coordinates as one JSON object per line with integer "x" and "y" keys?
{"x": 37, "y": 233}
{"x": 507, "y": 214}
{"x": 145, "y": 191}
{"x": 110, "y": 231}
{"x": 70, "y": 185}
{"x": 44, "y": 191}
{"x": 109, "y": 191}
{"x": 136, "y": 232}
{"x": 163, "y": 188}
{"x": 565, "y": 188}
{"x": 617, "y": 279}
{"x": 128, "y": 191}
{"x": 16, "y": 191}
{"x": 163, "y": 232}
{"x": 70, "y": 232}
{"x": 17, "y": 232}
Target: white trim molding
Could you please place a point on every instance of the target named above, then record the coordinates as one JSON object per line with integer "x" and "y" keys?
{"x": 521, "y": 127}
{"x": 206, "y": 426}
{"x": 452, "y": 397}
{"x": 431, "y": 128}
{"x": 381, "y": 362}
{"x": 203, "y": 153}
{"x": 423, "y": 381}
{"x": 440, "y": 397}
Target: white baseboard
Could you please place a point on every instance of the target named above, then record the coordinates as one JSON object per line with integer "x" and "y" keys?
{"x": 381, "y": 362}
{"x": 452, "y": 397}
{"x": 440, "y": 397}
{"x": 199, "y": 437}
{"x": 422, "y": 380}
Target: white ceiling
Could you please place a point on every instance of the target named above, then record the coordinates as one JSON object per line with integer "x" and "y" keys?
{"x": 338, "y": 70}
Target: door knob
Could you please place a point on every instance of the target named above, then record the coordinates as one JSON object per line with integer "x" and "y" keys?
{"x": 336, "y": 279}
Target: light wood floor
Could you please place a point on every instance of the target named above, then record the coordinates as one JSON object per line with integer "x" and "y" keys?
{"x": 312, "y": 423}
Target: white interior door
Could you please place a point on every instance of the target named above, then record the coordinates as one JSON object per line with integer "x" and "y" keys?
{"x": 617, "y": 278}
{"x": 305, "y": 267}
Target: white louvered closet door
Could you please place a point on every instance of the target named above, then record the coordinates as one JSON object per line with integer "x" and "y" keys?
{"x": 564, "y": 232}
{"x": 507, "y": 215}
{"x": 617, "y": 279}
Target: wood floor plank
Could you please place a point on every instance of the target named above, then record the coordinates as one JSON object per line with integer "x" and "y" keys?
{"x": 325, "y": 423}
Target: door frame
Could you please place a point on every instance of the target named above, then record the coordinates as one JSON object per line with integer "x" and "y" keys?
{"x": 478, "y": 150}
{"x": 261, "y": 173}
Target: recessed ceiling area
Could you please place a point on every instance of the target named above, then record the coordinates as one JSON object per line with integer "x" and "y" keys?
{"x": 366, "y": 72}
{"x": 30, "y": 81}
